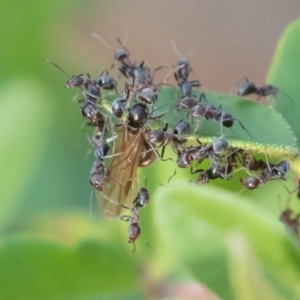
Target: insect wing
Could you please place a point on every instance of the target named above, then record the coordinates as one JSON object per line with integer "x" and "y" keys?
{"x": 118, "y": 187}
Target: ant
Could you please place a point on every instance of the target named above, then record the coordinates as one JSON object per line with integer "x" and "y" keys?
{"x": 270, "y": 172}
{"x": 183, "y": 66}
{"x": 98, "y": 170}
{"x": 292, "y": 223}
{"x": 210, "y": 112}
{"x": 134, "y": 230}
{"x": 211, "y": 151}
{"x": 164, "y": 137}
{"x": 125, "y": 66}
{"x": 75, "y": 80}
{"x": 89, "y": 109}
{"x": 107, "y": 82}
{"x": 247, "y": 88}
{"x": 217, "y": 170}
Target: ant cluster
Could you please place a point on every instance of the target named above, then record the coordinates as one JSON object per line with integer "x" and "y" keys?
{"x": 126, "y": 126}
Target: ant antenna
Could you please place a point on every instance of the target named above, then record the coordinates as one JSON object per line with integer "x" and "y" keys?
{"x": 196, "y": 46}
{"x": 102, "y": 40}
{"x": 58, "y": 67}
{"x": 179, "y": 55}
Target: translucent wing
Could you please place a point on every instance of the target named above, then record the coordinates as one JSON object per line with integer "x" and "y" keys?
{"x": 119, "y": 188}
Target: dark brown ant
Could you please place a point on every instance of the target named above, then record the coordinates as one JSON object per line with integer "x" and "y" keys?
{"x": 221, "y": 166}
{"x": 98, "y": 169}
{"x": 252, "y": 164}
{"x": 89, "y": 108}
{"x": 270, "y": 173}
{"x": 187, "y": 155}
{"x": 100, "y": 130}
{"x": 134, "y": 230}
{"x": 247, "y": 88}
{"x": 164, "y": 137}
{"x": 125, "y": 66}
{"x": 215, "y": 171}
{"x": 210, "y": 112}
{"x": 291, "y": 222}
{"x": 75, "y": 80}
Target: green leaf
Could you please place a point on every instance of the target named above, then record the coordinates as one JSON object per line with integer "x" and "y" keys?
{"x": 24, "y": 111}
{"x": 35, "y": 269}
{"x": 258, "y": 120}
{"x": 195, "y": 223}
{"x": 284, "y": 73}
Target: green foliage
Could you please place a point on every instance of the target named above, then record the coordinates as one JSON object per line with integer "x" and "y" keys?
{"x": 217, "y": 234}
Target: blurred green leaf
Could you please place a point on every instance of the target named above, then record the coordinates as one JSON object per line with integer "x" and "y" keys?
{"x": 35, "y": 269}
{"x": 195, "y": 228}
{"x": 246, "y": 276}
{"x": 284, "y": 73}
{"x": 24, "y": 110}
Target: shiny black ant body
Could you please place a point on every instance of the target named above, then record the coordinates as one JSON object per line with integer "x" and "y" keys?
{"x": 269, "y": 173}
{"x": 98, "y": 169}
{"x": 247, "y": 88}
{"x": 134, "y": 230}
{"x": 89, "y": 108}
{"x": 165, "y": 137}
{"x": 187, "y": 155}
{"x": 107, "y": 82}
{"x": 210, "y": 112}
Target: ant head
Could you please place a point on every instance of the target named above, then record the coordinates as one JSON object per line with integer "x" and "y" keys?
{"x": 121, "y": 54}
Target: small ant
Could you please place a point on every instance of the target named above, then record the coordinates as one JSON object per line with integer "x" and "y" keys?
{"x": 187, "y": 155}
{"x": 98, "y": 169}
{"x": 164, "y": 137}
{"x": 210, "y": 112}
{"x": 183, "y": 71}
{"x": 292, "y": 223}
{"x": 134, "y": 230}
{"x": 75, "y": 80}
{"x": 270, "y": 172}
{"x": 126, "y": 67}
{"x": 89, "y": 109}
{"x": 247, "y": 88}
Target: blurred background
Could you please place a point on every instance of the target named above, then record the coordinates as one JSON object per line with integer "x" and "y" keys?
{"x": 45, "y": 160}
